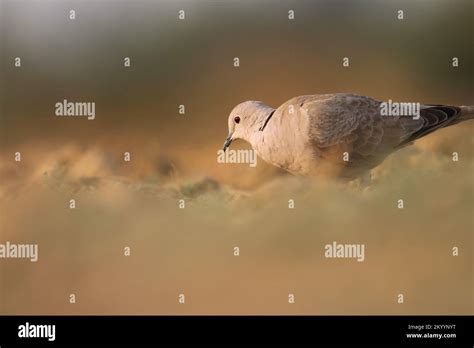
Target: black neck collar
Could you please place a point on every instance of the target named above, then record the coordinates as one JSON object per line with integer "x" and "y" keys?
{"x": 266, "y": 121}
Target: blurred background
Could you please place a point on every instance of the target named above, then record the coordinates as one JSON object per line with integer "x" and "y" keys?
{"x": 190, "y": 250}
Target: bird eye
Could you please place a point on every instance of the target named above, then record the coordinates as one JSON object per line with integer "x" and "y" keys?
{"x": 237, "y": 119}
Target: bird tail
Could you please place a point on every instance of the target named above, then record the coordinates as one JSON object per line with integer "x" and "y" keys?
{"x": 467, "y": 113}
{"x": 439, "y": 116}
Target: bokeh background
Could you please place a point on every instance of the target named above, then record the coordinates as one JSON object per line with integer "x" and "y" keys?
{"x": 190, "y": 250}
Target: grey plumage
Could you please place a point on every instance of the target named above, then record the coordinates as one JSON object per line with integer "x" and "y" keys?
{"x": 339, "y": 135}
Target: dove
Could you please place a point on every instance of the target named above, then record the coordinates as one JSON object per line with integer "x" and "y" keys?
{"x": 337, "y": 135}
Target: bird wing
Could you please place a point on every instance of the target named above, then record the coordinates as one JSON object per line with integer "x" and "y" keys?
{"x": 352, "y": 123}
{"x": 346, "y": 122}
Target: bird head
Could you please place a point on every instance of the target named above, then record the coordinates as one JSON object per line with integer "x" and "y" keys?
{"x": 244, "y": 120}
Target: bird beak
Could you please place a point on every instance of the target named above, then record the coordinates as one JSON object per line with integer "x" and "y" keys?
{"x": 227, "y": 142}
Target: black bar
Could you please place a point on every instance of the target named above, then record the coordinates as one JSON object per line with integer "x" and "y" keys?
{"x": 136, "y": 330}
